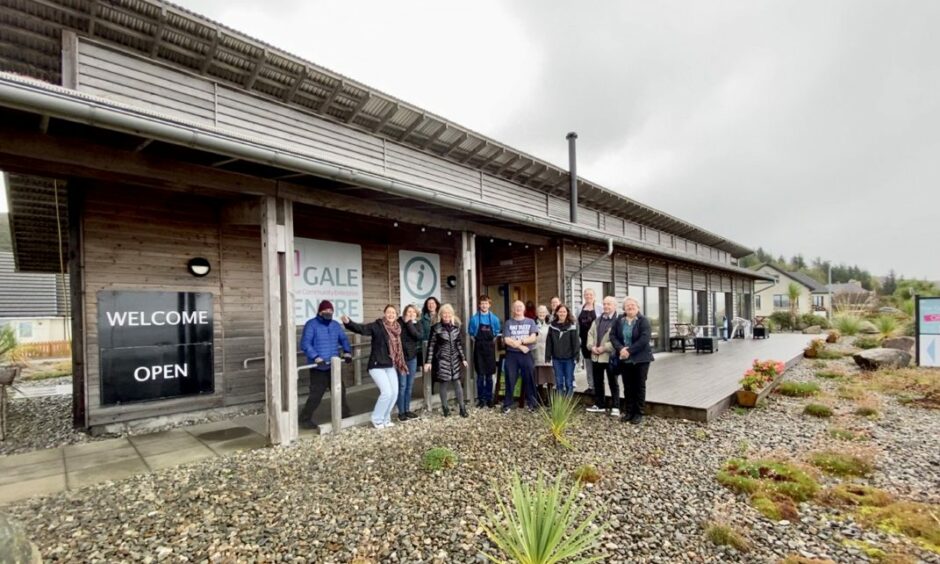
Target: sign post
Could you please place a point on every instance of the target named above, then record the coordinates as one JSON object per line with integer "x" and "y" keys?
{"x": 927, "y": 314}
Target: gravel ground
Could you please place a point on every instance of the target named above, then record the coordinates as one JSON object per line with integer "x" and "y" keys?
{"x": 363, "y": 497}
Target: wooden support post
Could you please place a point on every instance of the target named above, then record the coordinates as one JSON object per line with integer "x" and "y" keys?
{"x": 466, "y": 283}
{"x": 336, "y": 394}
{"x": 277, "y": 242}
{"x": 77, "y": 304}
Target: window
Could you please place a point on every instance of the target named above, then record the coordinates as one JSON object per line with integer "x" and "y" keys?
{"x": 686, "y": 306}
{"x": 757, "y": 302}
{"x": 819, "y": 301}
{"x": 781, "y": 301}
{"x": 25, "y": 330}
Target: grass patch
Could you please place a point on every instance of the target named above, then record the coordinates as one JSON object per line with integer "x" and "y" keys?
{"x": 439, "y": 458}
{"x": 848, "y": 434}
{"x": 867, "y": 548}
{"x": 918, "y": 387}
{"x": 918, "y": 521}
{"x": 586, "y": 474}
{"x": 867, "y": 342}
{"x": 829, "y": 354}
{"x": 775, "y": 507}
{"x": 770, "y": 476}
{"x": 797, "y": 559}
{"x": 830, "y": 374}
{"x": 57, "y": 370}
{"x": 723, "y": 535}
{"x": 854, "y": 392}
{"x": 798, "y": 389}
{"x": 858, "y": 495}
{"x": 817, "y": 410}
{"x": 848, "y": 324}
{"x": 738, "y": 410}
{"x": 841, "y": 463}
{"x": 867, "y": 411}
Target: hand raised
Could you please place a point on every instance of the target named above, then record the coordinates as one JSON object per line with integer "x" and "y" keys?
{"x": 344, "y": 319}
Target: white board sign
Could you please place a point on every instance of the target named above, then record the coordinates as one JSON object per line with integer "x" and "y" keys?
{"x": 326, "y": 270}
{"x": 420, "y": 277}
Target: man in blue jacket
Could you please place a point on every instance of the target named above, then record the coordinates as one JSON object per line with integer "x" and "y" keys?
{"x": 321, "y": 341}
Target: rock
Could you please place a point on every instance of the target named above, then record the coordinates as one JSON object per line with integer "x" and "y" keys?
{"x": 14, "y": 545}
{"x": 873, "y": 359}
{"x": 905, "y": 344}
{"x": 867, "y": 328}
{"x": 813, "y": 330}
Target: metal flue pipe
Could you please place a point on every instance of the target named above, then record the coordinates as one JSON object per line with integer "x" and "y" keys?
{"x": 573, "y": 173}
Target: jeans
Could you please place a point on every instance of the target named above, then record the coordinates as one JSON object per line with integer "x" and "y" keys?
{"x": 634, "y": 386}
{"x": 484, "y": 387}
{"x": 319, "y": 384}
{"x": 386, "y": 379}
{"x": 564, "y": 375}
{"x": 600, "y": 398}
{"x": 405, "y": 384}
{"x": 520, "y": 364}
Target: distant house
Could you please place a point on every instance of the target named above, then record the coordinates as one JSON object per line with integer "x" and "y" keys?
{"x": 36, "y": 305}
{"x": 851, "y": 296}
{"x": 775, "y": 296}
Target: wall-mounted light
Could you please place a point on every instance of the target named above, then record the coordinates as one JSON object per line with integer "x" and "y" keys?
{"x": 395, "y": 224}
{"x": 451, "y": 281}
{"x": 198, "y": 266}
{"x": 422, "y": 229}
{"x": 448, "y": 233}
{"x": 510, "y": 243}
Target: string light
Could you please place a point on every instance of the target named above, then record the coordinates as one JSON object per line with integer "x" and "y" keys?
{"x": 395, "y": 224}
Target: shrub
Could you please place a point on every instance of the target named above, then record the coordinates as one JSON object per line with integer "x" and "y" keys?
{"x": 798, "y": 389}
{"x": 833, "y": 336}
{"x": 818, "y": 410}
{"x": 11, "y": 351}
{"x": 848, "y": 324}
{"x": 918, "y": 521}
{"x": 810, "y": 319}
{"x": 559, "y": 415}
{"x": 772, "y": 476}
{"x": 439, "y": 458}
{"x": 867, "y": 342}
{"x": 586, "y": 474}
{"x": 887, "y": 326}
{"x": 841, "y": 463}
{"x": 867, "y": 411}
{"x": 861, "y": 495}
{"x": 814, "y": 348}
{"x": 781, "y": 321}
{"x": 723, "y": 535}
{"x": 542, "y": 524}
{"x": 852, "y": 392}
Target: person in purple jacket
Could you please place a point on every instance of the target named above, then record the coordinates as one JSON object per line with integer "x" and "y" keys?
{"x": 321, "y": 341}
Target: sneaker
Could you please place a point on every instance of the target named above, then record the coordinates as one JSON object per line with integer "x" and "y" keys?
{"x": 389, "y": 424}
{"x": 615, "y": 412}
{"x": 532, "y": 409}
{"x": 595, "y": 409}
{"x": 403, "y": 417}
{"x": 507, "y": 409}
{"x": 411, "y": 415}
{"x": 379, "y": 425}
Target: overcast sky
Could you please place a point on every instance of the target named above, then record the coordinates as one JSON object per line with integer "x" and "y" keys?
{"x": 801, "y": 127}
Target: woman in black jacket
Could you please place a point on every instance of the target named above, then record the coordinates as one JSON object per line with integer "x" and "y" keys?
{"x": 410, "y": 340}
{"x": 446, "y": 359}
{"x": 562, "y": 349}
{"x": 630, "y": 338}
{"x": 386, "y": 360}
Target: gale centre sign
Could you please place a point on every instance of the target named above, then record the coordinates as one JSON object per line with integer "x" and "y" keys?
{"x": 325, "y": 270}
{"x": 154, "y": 345}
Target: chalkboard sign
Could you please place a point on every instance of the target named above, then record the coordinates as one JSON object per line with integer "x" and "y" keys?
{"x": 154, "y": 345}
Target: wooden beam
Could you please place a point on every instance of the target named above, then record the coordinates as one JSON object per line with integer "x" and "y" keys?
{"x": 92, "y": 17}
{"x": 158, "y": 34}
{"x": 475, "y": 151}
{"x": 359, "y": 107}
{"x": 411, "y": 128}
{"x": 456, "y": 143}
{"x": 491, "y": 158}
{"x": 210, "y": 54}
{"x": 507, "y": 164}
{"x": 434, "y": 136}
{"x": 224, "y": 162}
{"x": 143, "y": 145}
{"x": 259, "y": 64}
{"x": 298, "y": 81}
{"x": 244, "y": 212}
{"x": 44, "y": 124}
{"x": 70, "y": 59}
{"x": 77, "y": 304}
{"x": 386, "y": 118}
{"x": 328, "y": 101}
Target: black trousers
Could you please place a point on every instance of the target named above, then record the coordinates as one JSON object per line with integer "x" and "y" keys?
{"x": 600, "y": 398}
{"x": 319, "y": 384}
{"x": 634, "y": 386}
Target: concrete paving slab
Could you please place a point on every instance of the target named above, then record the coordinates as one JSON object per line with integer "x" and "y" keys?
{"x": 25, "y": 459}
{"x": 100, "y": 458}
{"x": 249, "y": 442}
{"x": 254, "y": 422}
{"x": 168, "y": 444}
{"x": 97, "y": 446}
{"x": 179, "y": 457}
{"x": 33, "y": 471}
{"x": 111, "y": 471}
{"x": 30, "y": 488}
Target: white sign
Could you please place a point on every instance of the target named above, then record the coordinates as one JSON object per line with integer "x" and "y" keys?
{"x": 325, "y": 270}
{"x": 930, "y": 350}
{"x": 420, "y": 277}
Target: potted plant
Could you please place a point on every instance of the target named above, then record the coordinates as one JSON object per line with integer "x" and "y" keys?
{"x": 758, "y": 381}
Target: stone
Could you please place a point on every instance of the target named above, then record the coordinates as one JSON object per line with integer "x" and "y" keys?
{"x": 873, "y": 359}
{"x": 813, "y": 330}
{"x": 905, "y": 344}
{"x": 14, "y": 545}
{"x": 867, "y": 328}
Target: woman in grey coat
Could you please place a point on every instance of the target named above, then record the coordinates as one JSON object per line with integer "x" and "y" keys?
{"x": 446, "y": 359}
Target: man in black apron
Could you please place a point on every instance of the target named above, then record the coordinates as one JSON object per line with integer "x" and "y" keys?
{"x": 483, "y": 328}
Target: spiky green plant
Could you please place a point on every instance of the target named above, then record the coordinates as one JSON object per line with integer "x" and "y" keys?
{"x": 10, "y": 350}
{"x": 793, "y": 292}
{"x": 848, "y": 324}
{"x": 887, "y": 326}
{"x": 542, "y": 524}
{"x": 559, "y": 416}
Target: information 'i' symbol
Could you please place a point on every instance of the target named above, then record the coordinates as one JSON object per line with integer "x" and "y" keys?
{"x": 420, "y": 277}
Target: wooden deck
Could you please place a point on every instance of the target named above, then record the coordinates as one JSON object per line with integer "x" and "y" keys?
{"x": 701, "y": 386}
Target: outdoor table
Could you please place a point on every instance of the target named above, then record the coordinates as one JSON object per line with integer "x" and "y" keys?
{"x": 706, "y": 344}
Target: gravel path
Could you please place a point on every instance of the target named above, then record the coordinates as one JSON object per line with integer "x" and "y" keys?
{"x": 363, "y": 495}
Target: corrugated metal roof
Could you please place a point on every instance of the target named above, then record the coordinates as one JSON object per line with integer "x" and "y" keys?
{"x": 163, "y": 31}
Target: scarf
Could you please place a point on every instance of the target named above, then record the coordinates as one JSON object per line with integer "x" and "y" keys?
{"x": 393, "y": 332}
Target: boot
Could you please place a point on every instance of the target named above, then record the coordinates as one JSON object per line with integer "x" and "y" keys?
{"x": 445, "y": 410}
{"x": 463, "y": 410}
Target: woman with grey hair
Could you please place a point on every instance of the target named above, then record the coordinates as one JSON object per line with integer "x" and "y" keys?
{"x": 631, "y": 338}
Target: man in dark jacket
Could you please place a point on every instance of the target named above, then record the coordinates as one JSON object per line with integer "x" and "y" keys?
{"x": 631, "y": 338}
{"x": 321, "y": 341}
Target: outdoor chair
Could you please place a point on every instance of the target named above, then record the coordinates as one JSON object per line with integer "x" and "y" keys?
{"x": 683, "y": 339}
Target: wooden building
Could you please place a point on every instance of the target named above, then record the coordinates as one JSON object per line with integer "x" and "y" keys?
{"x": 170, "y": 138}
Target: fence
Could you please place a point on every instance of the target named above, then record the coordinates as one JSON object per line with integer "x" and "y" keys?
{"x": 48, "y": 349}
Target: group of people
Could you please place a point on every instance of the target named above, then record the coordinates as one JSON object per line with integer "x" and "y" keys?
{"x": 540, "y": 351}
